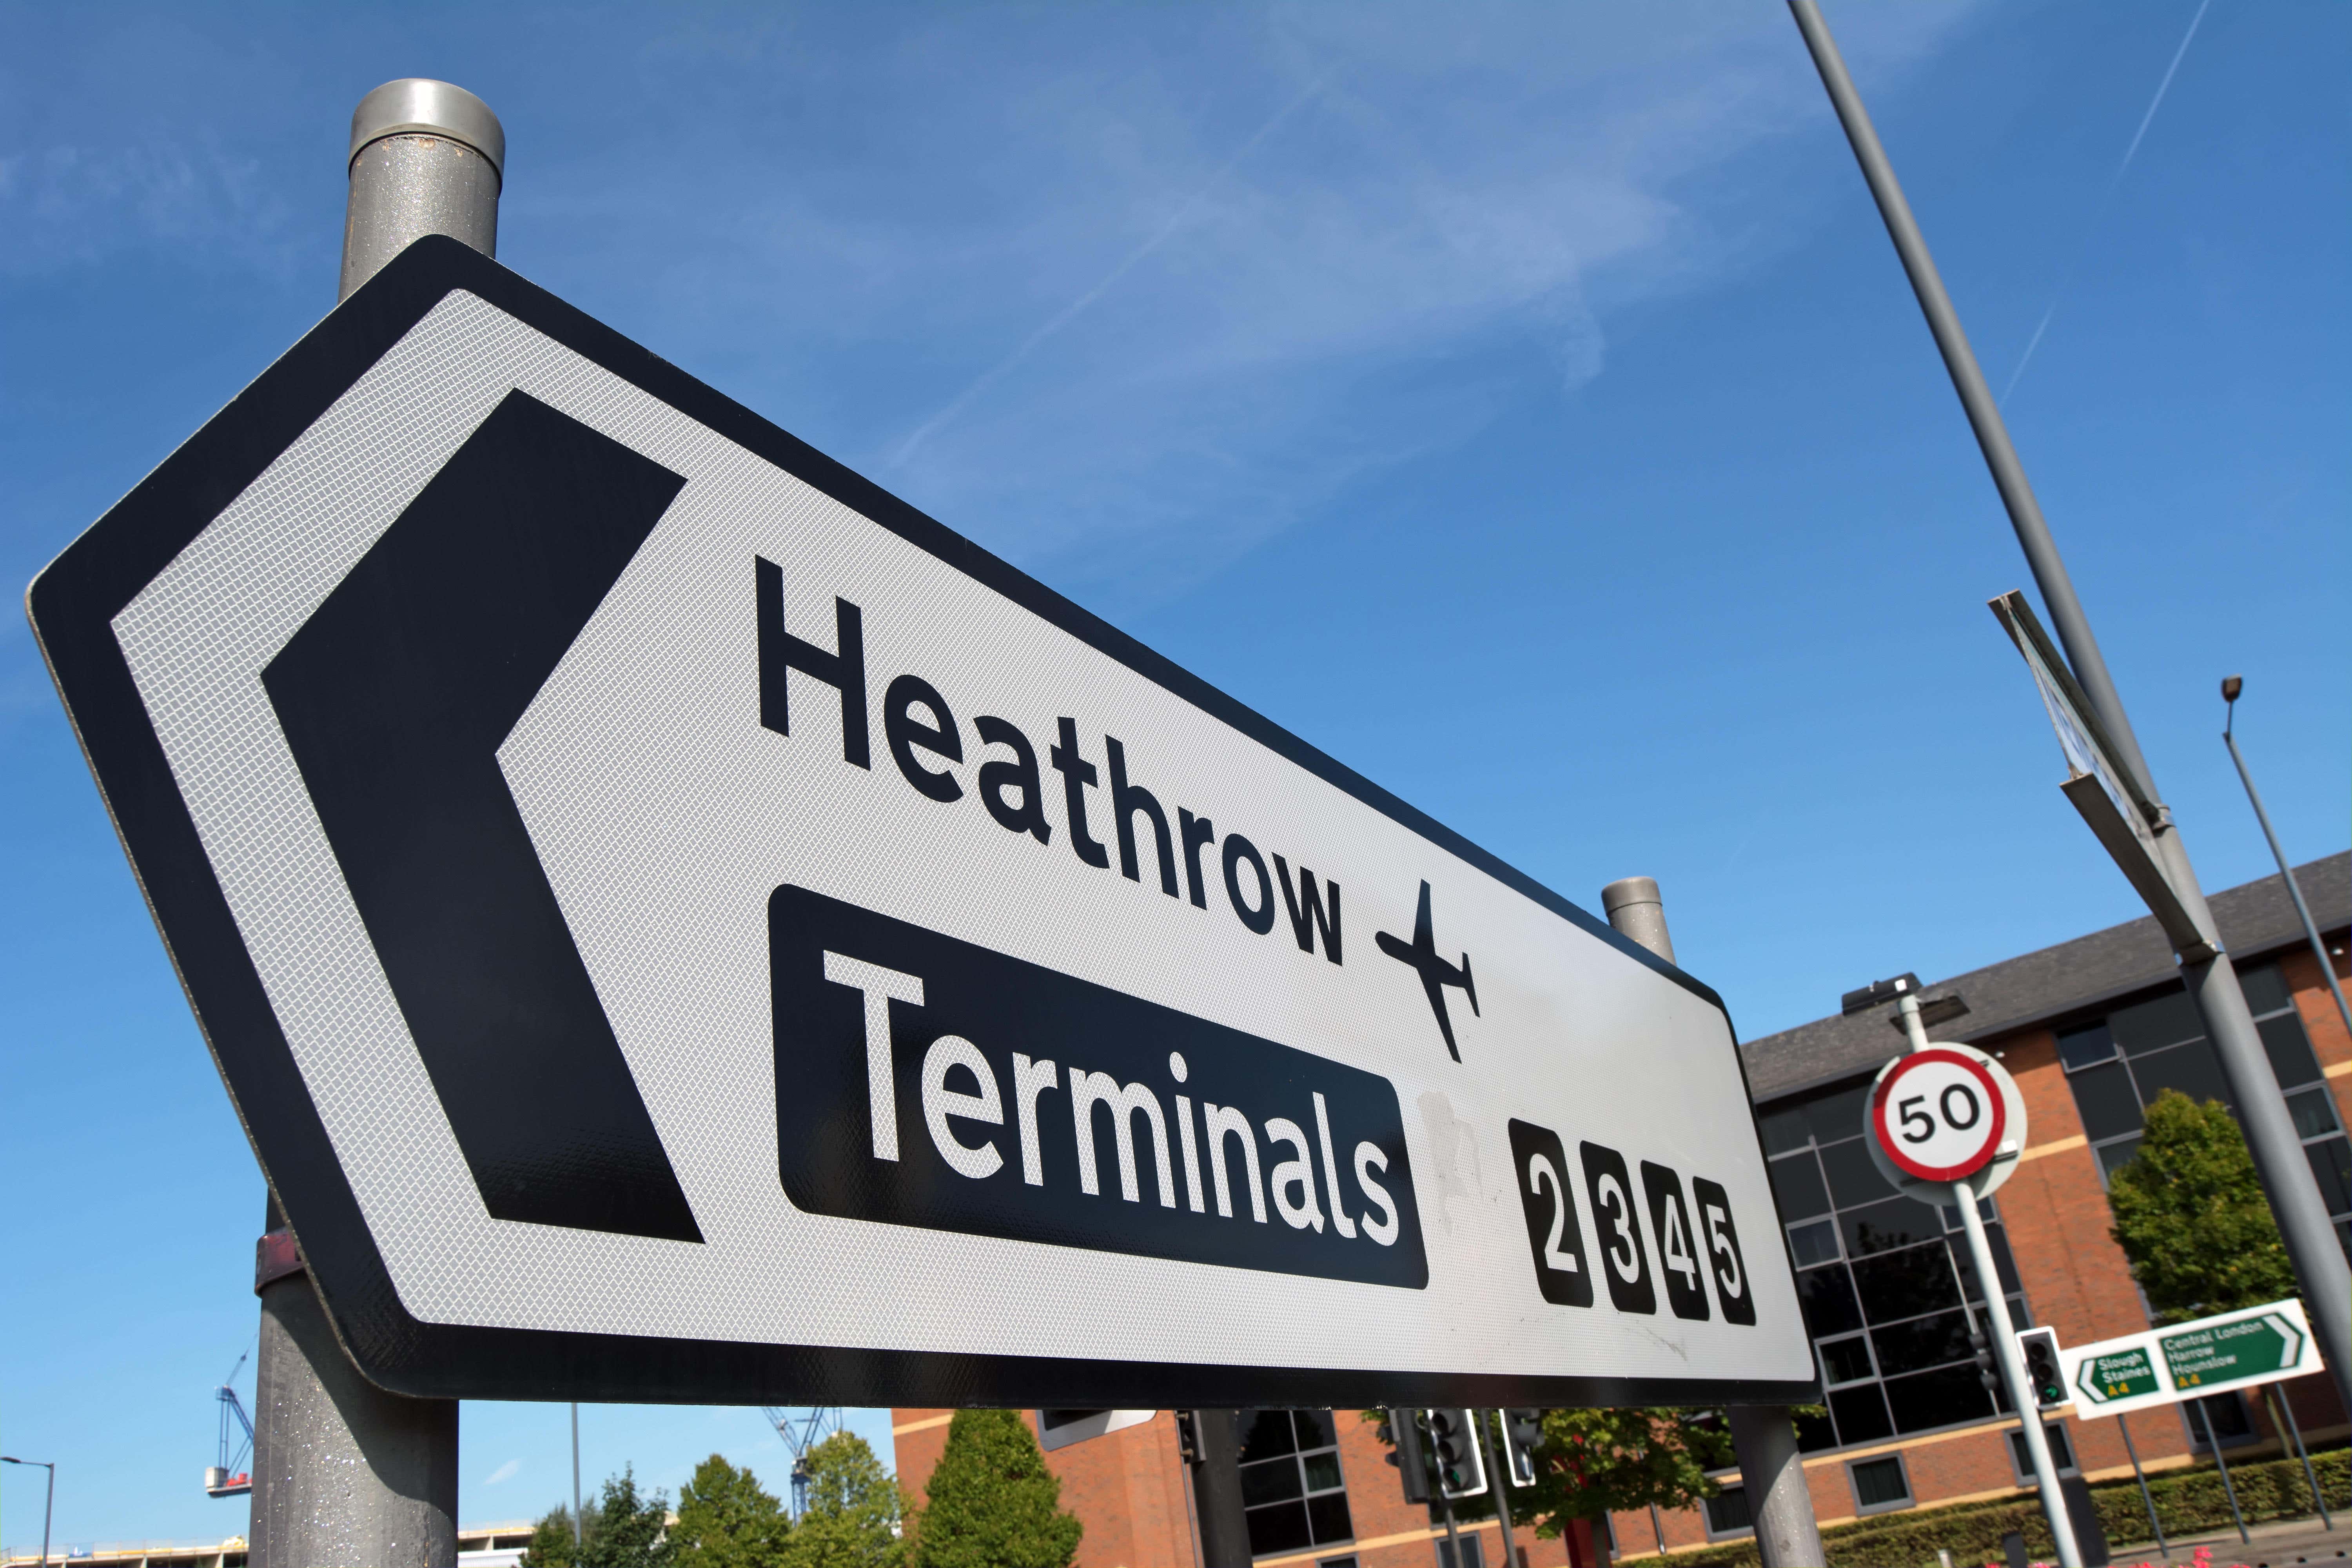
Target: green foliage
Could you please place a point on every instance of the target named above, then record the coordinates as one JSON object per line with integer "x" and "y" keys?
{"x": 2187, "y": 1502}
{"x": 626, "y": 1529}
{"x": 551, "y": 1541}
{"x": 2191, "y": 1216}
{"x": 994, "y": 1503}
{"x": 1601, "y": 1461}
{"x": 726, "y": 1518}
{"x": 854, "y": 1510}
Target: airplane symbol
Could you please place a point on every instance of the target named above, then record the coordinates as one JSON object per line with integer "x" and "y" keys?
{"x": 1435, "y": 973}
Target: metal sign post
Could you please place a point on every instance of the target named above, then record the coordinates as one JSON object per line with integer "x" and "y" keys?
{"x": 1942, "y": 1116}
{"x": 1763, "y": 1437}
{"x": 2174, "y": 898}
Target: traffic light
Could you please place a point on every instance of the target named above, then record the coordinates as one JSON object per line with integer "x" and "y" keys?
{"x": 1522, "y": 1436}
{"x": 1411, "y": 1463}
{"x": 2040, "y": 1348}
{"x": 1987, "y": 1373}
{"x": 1460, "y": 1466}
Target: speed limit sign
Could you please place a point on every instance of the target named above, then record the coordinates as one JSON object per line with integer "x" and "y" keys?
{"x": 1945, "y": 1115}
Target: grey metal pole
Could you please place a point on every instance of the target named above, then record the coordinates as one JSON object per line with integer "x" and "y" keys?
{"x": 1763, "y": 1437}
{"x": 2146, "y": 1498}
{"x": 2277, "y": 1394}
{"x": 2004, "y": 1337}
{"x": 1217, "y": 1488}
{"x": 426, "y": 157}
{"x": 2320, "y": 1267}
{"x": 579, "y": 1531}
{"x": 48, "y": 1507}
{"x": 2228, "y": 1487}
{"x": 1501, "y": 1471}
{"x": 2231, "y": 688}
{"x": 343, "y": 1471}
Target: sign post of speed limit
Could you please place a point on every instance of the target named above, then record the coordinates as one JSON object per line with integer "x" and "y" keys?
{"x": 1946, "y": 1124}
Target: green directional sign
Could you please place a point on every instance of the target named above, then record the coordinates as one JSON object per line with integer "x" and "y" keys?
{"x": 2231, "y": 1350}
{"x": 2126, "y": 1375}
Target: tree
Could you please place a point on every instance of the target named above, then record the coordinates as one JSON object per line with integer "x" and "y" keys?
{"x": 726, "y": 1518}
{"x": 854, "y": 1510}
{"x": 994, "y": 1503}
{"x": 1595, "y": 1462}
{"x": 2191, "y": 1216}
{"x": 628, "y": 1530}
{"x": 552, "y": 1541}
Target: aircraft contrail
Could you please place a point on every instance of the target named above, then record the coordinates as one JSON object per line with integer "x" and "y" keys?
{"x": 2130, "y": 154}
{"x": 1076, "y": 307}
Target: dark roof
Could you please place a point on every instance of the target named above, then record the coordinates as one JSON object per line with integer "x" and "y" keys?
{"x": 2074, "y": 976}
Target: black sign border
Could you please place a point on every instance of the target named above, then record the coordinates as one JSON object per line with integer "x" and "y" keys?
{"x": 72, "y": 604}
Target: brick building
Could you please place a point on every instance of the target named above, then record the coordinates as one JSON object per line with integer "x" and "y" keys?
{"x": 2093, "y": 1030}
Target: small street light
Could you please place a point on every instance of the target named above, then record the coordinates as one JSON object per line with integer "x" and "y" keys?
{"x": 47, "y": 1506}
{"x": 2231, "y": 686}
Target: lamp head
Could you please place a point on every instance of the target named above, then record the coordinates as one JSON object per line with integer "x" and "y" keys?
{"x": 2231, "y": 686}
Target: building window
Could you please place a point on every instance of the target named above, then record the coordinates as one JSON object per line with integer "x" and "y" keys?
{"x": 2120, "y": 1064}
{"x": 1879, "y": 1485}
{"x": 1889, "y": 1290}
{"x": 2223, "y": 1414}
{"x": 1472, "y": 1556}
{"x": 1292, "y": 1492}
{"x": 1727, "y": 1515}
{"x": 2062, "y": 1453}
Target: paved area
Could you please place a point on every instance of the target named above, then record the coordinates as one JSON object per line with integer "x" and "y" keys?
{"x": 2278, "y": 1545}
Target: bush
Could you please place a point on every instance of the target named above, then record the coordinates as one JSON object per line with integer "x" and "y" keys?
{"x": 2187, "y": 1502}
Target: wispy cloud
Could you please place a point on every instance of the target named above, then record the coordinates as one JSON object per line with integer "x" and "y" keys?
{"x": 2098, "y": 215}
{"x": 504, "y": 1472}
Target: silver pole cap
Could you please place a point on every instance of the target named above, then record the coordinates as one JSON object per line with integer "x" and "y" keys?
{"x": 419, "y": 106}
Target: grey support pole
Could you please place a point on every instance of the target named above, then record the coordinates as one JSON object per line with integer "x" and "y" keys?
{"x": 2320, "y": 1267}
{"x": 1763, "y": 1437}
{"x": 345, "y": 1472}
{"x": 2003, "y": 1336}
{"x": 426, "y": 158}
{"x": 1217, "y": 1488}
{"x": 342, "y": 1471}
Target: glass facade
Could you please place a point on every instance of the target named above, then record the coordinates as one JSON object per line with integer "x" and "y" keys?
{"x": 1889, "y": 1294}
{"x": 1292, "y": 1492}
{"x": 2117, "y": 1065}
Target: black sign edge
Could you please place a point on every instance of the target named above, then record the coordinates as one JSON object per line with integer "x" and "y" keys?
{"x": 71, "y": 604}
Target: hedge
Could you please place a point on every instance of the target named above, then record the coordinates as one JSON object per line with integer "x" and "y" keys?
{"x": 2187, "y": 1502}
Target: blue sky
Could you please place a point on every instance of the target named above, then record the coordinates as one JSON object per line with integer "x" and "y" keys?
{"x": 1522, "y": 403}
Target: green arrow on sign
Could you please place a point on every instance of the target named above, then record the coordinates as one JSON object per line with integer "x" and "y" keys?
{"x": 2127, "y": 1374}
{"x": 2232, "y": 1351}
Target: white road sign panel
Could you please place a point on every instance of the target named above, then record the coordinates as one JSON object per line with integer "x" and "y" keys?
{"x": 678, "y": 923}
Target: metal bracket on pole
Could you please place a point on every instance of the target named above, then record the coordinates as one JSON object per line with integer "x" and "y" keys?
{"x": 1763, "y": 1437}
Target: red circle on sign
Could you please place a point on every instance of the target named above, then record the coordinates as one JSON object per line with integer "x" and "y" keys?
{"x": 1950, "y": 1149}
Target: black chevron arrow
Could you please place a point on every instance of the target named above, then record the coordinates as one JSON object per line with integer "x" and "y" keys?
{"x": 394, "y": 697}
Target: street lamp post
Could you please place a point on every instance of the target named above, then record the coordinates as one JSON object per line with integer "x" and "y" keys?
{"x": 48, "y": 1506}
{"x": 2230, "y": 687}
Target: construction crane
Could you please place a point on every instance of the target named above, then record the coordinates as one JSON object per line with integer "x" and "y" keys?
{"x": 801, "y": 1433}
{"x": 230, "y": 1478}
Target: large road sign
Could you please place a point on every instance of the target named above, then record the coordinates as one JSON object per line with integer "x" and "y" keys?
{"x": 2190, "y": 1360}
{"x": 678, "y": 923}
